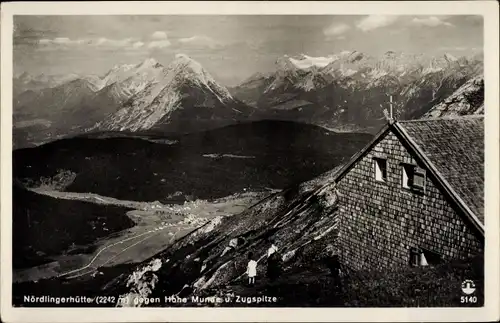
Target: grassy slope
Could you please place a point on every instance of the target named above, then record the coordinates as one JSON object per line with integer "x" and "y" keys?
{"x": 301, "y": 220}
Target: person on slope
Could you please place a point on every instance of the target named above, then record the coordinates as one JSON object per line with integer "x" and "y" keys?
{"x": 251, "y": 269}
{"x": 273, "y": 262}
{"x": 272, "y": 249}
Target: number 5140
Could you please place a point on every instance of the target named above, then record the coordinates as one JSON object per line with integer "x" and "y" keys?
{"x": 468, "y": 299}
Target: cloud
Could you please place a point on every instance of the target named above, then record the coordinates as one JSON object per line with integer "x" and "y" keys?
{"x": 60, "y": 41}
{"x": 159, "y": 44}
{"x": 159, "y": 35}
{"x": 336, "y": 29}
{"x": 432, "y": 21}
{"x": 373, "y": 22}
{"x": 160, "y": 41}
{"x": 103, "y": 43}
{"x": 45, "y": 41}
{"x": 112, "y": 42}
{"x": 64, "y": 43}
{"x": 138, "y": 44}
{"x": 199, "y": 41}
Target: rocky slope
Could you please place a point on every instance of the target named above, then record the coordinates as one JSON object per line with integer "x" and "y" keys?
{"x": 467, "y": 100}
{"x": 301, "y": 220}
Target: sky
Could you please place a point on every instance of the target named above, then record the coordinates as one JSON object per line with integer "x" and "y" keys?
{"x": 231, "y": 47}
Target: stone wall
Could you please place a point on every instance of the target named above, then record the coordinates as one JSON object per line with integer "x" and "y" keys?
{"x": 381, "y": 221}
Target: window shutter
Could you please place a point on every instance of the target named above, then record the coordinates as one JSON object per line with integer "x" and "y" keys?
{"x": 419, "y": 179}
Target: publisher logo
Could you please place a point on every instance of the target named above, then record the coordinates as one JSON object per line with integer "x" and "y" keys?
{"x": 468, "y": 287}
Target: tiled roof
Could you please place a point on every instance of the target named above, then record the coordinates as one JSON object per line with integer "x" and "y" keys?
{"x": 455, "y": 146}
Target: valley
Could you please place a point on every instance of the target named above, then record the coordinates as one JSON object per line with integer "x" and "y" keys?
{"x": 131, "y": 168}
{"x": 156, "y": 226}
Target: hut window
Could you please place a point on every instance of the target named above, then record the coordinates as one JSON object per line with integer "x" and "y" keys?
{"x": 420, "y": 257}
{"x": 417, "y": 258}
{"x": 408, "y": 175}
{"x": 380, "y": 169}
{"x": 413, "y": 177}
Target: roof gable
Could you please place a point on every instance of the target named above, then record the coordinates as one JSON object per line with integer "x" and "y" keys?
{"x": 453, "y": 151}
{"x": 345, "y": 169}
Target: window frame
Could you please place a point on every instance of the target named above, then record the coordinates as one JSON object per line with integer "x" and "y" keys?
{"x": 377, "y": 168}
{"x": 405, "y": 173}
{"x": 431, "y": 258}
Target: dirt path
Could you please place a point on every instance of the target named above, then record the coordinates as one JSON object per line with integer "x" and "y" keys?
{"x": 154, "y": 232}
{"x": 109, "y": 246}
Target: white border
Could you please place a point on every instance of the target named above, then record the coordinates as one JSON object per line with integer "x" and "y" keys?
{"x": 489, "y": 9}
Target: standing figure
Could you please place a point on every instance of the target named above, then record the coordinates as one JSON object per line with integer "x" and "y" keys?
{"x": 272, "y": 249}
{"x": 251, "y": 269}
{"x": 273, "y": 266}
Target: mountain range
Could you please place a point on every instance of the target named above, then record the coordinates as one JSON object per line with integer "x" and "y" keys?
{"x": 181, "y": 97}
{"x": 349, "y": 90}
{"x": 343, "y": 92}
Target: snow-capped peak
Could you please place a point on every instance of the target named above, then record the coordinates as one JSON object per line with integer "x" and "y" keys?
{"x": 306, "y": 61}
{"x": 117, "y": 70}
{"x": 164, "y": 96}
{"x": 190, "y": 70}
{"x": 285, "y": 63}
{"x": 148, "y": 63}
{"x": 450, "y": 58}
{"x": 122, "y": 67}
{"x": 184, "y": 62}
{"x": 355, "y": 56}
{"x": 136, "y": 75}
